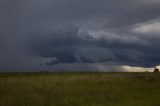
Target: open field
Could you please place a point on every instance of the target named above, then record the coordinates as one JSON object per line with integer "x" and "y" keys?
{"x": 80, "y": 89}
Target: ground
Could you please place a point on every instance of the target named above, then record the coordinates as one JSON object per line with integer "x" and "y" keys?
{"x": 79, "y": 89}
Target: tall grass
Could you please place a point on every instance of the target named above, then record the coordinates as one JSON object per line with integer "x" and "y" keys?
{"x": 80, "y": 89}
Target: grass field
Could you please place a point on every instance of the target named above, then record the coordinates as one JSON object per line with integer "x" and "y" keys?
{"x": 80, "y": 89}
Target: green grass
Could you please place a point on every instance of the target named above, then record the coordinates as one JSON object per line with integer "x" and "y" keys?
{"x": 80, "y": 89}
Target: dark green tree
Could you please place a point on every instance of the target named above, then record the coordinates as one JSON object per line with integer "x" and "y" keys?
{"x": 156, "y": 70}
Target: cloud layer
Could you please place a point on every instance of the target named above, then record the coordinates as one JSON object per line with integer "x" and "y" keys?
{"x": 45, "y": 34}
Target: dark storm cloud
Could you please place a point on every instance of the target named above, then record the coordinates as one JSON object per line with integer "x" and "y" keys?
{"x": 76, "y": 31}
{"x": 73, "y": 47}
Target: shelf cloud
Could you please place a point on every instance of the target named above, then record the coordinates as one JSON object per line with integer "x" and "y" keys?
{"x": 82, "y": 34}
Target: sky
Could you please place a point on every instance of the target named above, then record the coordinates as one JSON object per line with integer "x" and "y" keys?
{"x": 79, "y": 35}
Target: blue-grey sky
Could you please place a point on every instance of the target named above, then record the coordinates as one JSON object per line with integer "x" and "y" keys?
{"x": 79, "y": 35}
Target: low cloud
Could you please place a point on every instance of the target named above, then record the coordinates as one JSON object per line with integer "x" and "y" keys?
{"x": 72, "y": 46}
{"x": 40, "y": 34}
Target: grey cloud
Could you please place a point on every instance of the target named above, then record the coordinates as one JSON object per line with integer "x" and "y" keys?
{"x": 73, "y": 47}
{"x": 48, "y": 27}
